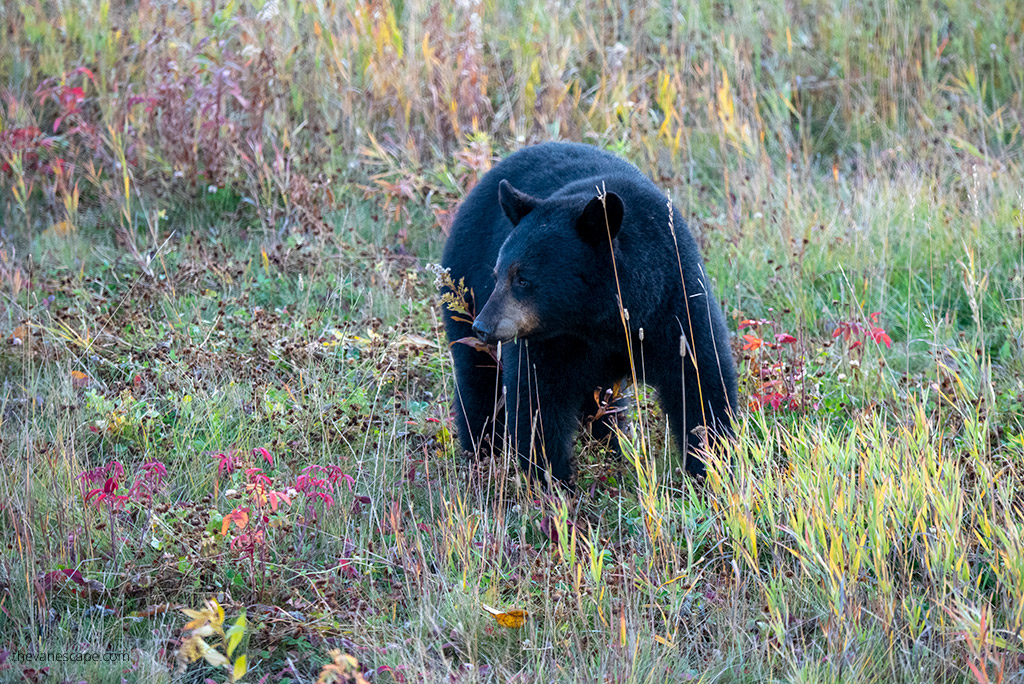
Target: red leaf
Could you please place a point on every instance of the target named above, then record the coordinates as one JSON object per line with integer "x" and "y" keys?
{"x": 753, "y": 343}
{"x": 478, "y": 345}
{"x": 51, "y": 578}
{"x": 881, "y": 337}
{"x": 239, "y": 516}
{"x": 345, "y": 565}
{"x": 278, "y": 496}
{"x": 260, "y": 451}
{"x": 326, "y": 498}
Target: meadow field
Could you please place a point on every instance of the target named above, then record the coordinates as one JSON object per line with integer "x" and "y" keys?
{"x": 226, "y": 441}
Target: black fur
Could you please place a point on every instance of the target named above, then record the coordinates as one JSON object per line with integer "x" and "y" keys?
{"x": 536, "y": 220}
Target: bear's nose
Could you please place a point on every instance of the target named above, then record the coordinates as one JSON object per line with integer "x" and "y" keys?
{"x": 481, "y": 330}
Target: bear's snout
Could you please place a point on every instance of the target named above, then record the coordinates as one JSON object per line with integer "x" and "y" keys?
{"x": 505, "y": 318}
{"x": 484, "y": 332}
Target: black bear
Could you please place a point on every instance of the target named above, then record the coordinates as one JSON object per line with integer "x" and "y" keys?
{"x": 548, "y": 244}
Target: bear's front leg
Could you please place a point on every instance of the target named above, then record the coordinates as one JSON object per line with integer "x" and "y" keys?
{"x": 543, "y": 404}
{"x": 479, "y": 418}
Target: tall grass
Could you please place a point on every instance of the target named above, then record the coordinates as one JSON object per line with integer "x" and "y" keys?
{"x": 214, "y": 225}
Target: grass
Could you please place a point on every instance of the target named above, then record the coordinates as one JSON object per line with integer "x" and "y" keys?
{"x": 216, "y": 221}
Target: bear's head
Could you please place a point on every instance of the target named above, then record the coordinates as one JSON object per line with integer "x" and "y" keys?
{"x": 554, "y": 271}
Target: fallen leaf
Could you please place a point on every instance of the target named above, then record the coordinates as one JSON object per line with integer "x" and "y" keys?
{"x": 153, "y": 611}
{"x": 416, "y": 341}
{"x": 19, "y": 335}
{"x": 510, "y": 619}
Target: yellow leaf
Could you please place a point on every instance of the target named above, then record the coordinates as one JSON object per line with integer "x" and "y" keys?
{"x": 199, "y": 618}
{"x": 217, "y": 614}
{"x": 194, "y": 648}
{"x": 207, "y": 621}
{"x": 204, "y": 630}
{"x": 235, "y": 634}
{"x": 234, "y": 638}
{"x": 239, "y": 670}
{"x": 214, "y": 657}
{"x": 510, "y": 619}
{"x": 191, "y": 650}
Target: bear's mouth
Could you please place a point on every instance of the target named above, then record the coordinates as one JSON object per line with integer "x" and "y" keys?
{"x": 505, "y": 318}
{"x": 505, "y": 332}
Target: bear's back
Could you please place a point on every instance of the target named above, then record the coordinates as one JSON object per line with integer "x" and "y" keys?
{"x": 547, "y": 169}
{"x": 554, "y": 169}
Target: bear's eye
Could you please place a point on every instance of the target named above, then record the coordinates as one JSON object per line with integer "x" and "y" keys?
{"x": 522, "y": 282}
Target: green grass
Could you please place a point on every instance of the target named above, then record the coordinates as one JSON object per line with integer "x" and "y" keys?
{"x": 239, "y": 261}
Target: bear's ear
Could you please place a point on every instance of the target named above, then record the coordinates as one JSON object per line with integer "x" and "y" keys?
{"x": 601, "y": 218}
{"x": 515, "y": 204}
